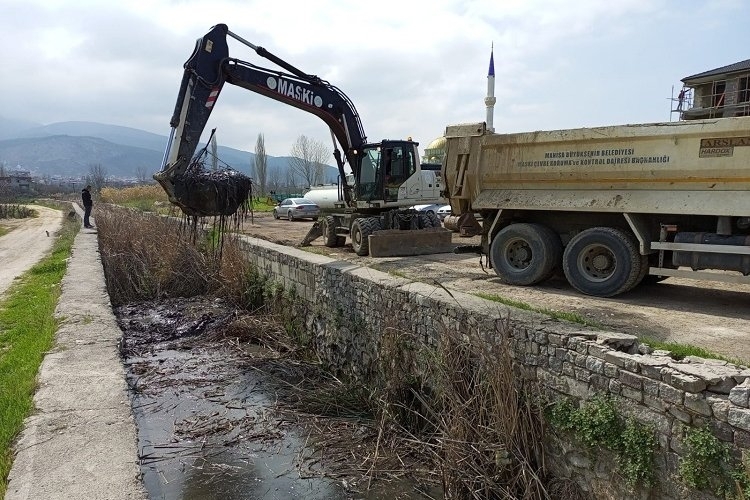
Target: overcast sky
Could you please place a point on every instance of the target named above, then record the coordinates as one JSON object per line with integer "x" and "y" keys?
{"x": 410, "y": 67}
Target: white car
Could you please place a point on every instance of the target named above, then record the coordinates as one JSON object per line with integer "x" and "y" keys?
{"x": 443, "y": 212}
{"x": 432, "y": 208}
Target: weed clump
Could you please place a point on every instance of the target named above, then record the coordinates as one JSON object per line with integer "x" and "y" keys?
{"x": 598, "y": 424}
{"x": 708, "y": 464}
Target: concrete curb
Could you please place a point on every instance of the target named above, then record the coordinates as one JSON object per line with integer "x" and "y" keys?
{"x": 81, "y": 441}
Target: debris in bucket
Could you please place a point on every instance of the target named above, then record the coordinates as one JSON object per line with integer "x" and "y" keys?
{"x": 201, "y": 192}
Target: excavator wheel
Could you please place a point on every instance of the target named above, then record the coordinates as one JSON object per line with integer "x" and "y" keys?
{"x": 361, "y": 230}
{"x": 330, "y": 238}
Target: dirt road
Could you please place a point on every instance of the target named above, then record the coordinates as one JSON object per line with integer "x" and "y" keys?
{"x": 714, "y": 316}
{"x": 27, "y": 242}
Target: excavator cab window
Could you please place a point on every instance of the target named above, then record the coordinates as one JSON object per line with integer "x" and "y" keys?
{"x": 370, "y": 186}
{"x": 400, "y": 164}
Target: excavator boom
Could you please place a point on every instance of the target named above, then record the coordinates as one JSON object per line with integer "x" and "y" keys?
{"x": 206, "y": 71}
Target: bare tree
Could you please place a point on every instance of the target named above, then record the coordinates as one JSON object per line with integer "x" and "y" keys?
{"x": 260, "y": 166}
{"x": 274, "y": 180}
{"x": 214, "y": 153}
{"x": 308, "y": 157}
{"x": 141, "y": 175}
{"x": 291, "y": 181}
{"x": 97, "y": 177}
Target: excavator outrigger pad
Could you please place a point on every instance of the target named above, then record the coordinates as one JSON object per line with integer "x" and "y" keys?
{"x": 212, "y": 193}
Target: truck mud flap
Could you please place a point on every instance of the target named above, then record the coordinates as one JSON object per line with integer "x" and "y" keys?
{"x": 401, "y": 243}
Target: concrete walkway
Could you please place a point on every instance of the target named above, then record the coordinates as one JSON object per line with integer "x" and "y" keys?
{"x": 80, "y": 442}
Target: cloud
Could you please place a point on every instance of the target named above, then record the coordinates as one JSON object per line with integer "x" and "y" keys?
{"x": 410, "y": 68}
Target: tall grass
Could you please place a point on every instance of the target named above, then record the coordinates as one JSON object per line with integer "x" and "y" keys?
{"x": 16, "y": 212}
{"x": 149, "y": 198}
{"x": 483, "y": 424}
{"x": 147, "y": 257}
{"x": 27, "y": 329}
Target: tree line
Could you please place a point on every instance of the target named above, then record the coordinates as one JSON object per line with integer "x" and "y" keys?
{"x": 307, "y": 167}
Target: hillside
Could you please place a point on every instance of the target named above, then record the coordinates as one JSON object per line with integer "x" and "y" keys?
{"x": 71, "y": 148}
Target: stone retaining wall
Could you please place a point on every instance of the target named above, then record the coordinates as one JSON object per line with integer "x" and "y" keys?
{"x": 349, "y": 305}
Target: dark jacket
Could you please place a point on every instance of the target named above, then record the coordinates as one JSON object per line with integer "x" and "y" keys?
{"x": 86, "y": 197}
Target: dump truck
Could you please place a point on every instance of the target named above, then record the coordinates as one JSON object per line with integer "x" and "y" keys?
{"x": 610, "y": 206}
{"x": 386, "y": 179}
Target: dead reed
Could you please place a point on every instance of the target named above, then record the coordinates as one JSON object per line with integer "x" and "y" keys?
{"x": 147, "y": 257}
{"x": 464, "y": 403}
{"x": 141, "y": 197}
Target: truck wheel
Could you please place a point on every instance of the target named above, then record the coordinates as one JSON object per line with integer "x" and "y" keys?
{"x": 330, "y": 238}
{"x": 525, "y": 254}
{"x": 602, "y": 261}
{"x": 361, "y": 229}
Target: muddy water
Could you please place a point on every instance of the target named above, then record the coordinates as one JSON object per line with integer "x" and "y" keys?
{"x": 204, "y": 410}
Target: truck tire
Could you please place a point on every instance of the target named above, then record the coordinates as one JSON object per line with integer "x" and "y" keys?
{"x": 361, "y": 229}
{"x": 602, "y": 261}
{"x": 330, "y": 238}
{"x": 525, "y": 254}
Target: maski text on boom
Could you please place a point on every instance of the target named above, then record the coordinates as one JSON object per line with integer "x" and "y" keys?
{"x": 294, "y": 91}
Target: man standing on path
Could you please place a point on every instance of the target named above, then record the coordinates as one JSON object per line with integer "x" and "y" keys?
{"x": 87, "y": 205}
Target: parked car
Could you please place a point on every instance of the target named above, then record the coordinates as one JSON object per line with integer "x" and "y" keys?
{"x": 432, "y": 208}
{"x": 296, "y": 208}
{"x": 443, "y": 212}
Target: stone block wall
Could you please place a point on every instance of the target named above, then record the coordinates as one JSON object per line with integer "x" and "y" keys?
{"x": 348, "y": 306}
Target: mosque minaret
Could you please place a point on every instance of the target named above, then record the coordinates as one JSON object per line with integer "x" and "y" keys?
{"x": 490, "y": 100}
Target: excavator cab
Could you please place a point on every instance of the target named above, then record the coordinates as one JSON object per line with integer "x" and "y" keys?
{"x": 384, "y": 169}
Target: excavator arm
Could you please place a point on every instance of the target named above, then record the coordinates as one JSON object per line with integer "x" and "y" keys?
{"x": 206, "y": 71}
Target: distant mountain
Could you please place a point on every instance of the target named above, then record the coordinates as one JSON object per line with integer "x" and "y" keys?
{"x": 71, "y": 148}
{"x": 116, "y": 134}
{"x": 73, "y": 156}
{"x": 10, "y": 129}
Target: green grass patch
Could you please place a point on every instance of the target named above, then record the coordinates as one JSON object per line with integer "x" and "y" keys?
{"x": 680, "y": 351}
{"x": 563, "y": 315}
{"x": 4, "y": 230}
{"x": 263, "y": 204}
{"x": 27, "y": 330}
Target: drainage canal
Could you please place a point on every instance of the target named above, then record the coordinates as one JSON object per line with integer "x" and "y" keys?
{"x": 208, "y": 403}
